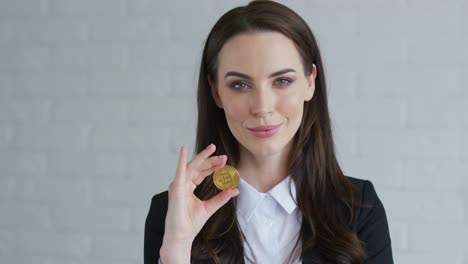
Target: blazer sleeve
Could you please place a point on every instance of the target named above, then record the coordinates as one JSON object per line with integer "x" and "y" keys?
{"x": 372, "y": 228}
{"x": 154, "y": 229}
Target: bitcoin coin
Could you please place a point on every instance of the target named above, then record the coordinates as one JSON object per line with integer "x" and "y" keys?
{"x": 226, "y": 178}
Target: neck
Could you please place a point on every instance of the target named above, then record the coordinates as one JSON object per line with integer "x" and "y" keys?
{"x": 263, "y": 172}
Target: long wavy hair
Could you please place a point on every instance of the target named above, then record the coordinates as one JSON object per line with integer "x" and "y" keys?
{"x": 324, "y": 195}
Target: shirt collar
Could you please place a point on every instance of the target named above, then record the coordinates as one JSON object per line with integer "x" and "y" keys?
{"x": 249, "y": 198}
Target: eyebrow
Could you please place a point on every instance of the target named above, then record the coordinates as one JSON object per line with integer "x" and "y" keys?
{"x": 245, "y": 76}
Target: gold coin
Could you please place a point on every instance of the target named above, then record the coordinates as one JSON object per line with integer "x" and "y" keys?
{"x": 226, "y": 178}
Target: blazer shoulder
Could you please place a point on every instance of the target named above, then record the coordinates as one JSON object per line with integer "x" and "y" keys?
{"x": 154, "y": 227}
{"x": 370, "y": 222}
{"x": 364, "y": 191}
{"x": 161, "y": 198}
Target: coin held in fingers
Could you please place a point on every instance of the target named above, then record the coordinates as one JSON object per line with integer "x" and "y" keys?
{"x": 226, "y": 178}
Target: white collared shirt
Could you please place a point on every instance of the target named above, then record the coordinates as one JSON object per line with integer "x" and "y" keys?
{"x": 270, "y": 221}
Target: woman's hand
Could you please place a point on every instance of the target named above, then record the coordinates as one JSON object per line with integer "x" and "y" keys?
{"x": 187, "y": 214}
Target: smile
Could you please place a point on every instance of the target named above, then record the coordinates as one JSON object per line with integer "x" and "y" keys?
{"x": 265, "y": 131}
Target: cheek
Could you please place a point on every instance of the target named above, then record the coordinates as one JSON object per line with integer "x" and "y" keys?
{"x": 291, "y": 106}
{"x": 235, "y": 111}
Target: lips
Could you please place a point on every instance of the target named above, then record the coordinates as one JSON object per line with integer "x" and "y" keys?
{"x": 265, "y": 131}
{"x": 264, "y": 128}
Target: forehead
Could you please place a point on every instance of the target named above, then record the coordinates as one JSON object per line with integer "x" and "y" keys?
{"x": 259, "y": 53}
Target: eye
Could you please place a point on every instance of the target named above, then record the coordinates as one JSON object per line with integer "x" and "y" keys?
{"x": 238, "y": 85}
{"x": 283, "y": 82}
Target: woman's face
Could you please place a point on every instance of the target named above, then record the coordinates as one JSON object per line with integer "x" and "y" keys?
{"x": 261, "y": 82}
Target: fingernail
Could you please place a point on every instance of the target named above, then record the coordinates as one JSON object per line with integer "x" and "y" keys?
{"x": 209, "y": 146}
{"x": 222, "y": 157}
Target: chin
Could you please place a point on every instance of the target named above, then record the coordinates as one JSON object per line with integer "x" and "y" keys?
{"x": 264, "y": 149}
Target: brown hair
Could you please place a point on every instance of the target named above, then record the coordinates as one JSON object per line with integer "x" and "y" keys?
{"x": 324, "y": 194}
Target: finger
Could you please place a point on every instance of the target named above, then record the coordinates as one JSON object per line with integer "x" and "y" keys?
{"x": 202, "y": 175}
{"x": 213, "y": 205}
{"x": 201, "y": 157}
{"x": 211, "y": 162}
{"x": 181, "y": 165}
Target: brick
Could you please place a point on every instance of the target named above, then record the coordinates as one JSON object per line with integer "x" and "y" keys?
{"x": 139, "y": 84}
{"x": 465, "y": 144}
{"x": 420, "y": 233}
{"x": 51, "y": 31}
{"x": 19, "y": 164}
{"x": 88, "y": 8}
{"x": 47, "y": 191}
{"x": 6, "y": 135}
{"x": 23, "y": 8}
{"x": 411, "y": 81}
{"x": 124, "y": 246}
{"x": 53, "y": 243}
{"x": 40, "y": 85}
{"x": 406, "y": 205}
{"x": 91, "y": 219}
{"x": 128, "y": 192}
{"x": 333, "y": 3}
{"x": 370, "y": 52}
{"x": 433, "y": 174}
{"x": 142, "y": 138}
{"x": 144, "y": 111}
{"x": 436, "y": 19}
{"x": 185, "y": 83}
{"x": 179, "y": 136}
{"x": 151, "y": 165}
{"x": 452, "y": 54}
{"x": 399, "y": 235}
{"x": 138, "y": 219}
{"x": 345, "y": 139}
{"x": 87, "y": 165}
{"x": 465, "y": 19}
{"x": 197, "y": 30}
{"x": 146, "y": 56}
{"x": 50, "y": 137}
{"x": 148, "y": 7}
{"x": 6, "y": 32}
{"x": 6, "y": 85}
{"x": 88, "y": 260}
{"x": 383, "y": 173}
{"x": 23, "y": 57}
{"x": 387, "y": 20}
{"x": 330, "y": 24}
{"x": 410, "y": 143}
{"x": 420, "y": 113}
{"x": 393, "y": 21}
{"x": 7, "y": 188}
{"x": 24, "y": 111}
{"x": 426, "y": 257}
{"x": 6, "y": 242}
{"x": 86, "y": 57}
{"x": 90, "y": 111}
{"x": 22, "y": 259}
{"x": 133, "y": 29}
{"x": 341, "y": 83}
{"x": 24, "y": 217}
{"x": 372, "y": 112}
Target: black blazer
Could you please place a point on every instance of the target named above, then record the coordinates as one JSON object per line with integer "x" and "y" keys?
{"x": 370, "y": 224}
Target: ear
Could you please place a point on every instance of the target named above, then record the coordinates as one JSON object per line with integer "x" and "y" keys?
{"x": 311, "y": 84}
{"x": 214, "y": 93}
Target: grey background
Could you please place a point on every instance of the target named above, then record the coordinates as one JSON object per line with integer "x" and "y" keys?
{"x": 96, "y": 97}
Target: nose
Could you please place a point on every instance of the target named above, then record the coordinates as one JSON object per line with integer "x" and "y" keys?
{"x": 262, "y": 102}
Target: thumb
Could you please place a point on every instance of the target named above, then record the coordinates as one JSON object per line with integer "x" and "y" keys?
{"x": 212, "y": 205}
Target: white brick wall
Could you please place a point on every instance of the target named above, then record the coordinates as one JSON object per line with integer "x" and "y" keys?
{"x": 97, "y": 96}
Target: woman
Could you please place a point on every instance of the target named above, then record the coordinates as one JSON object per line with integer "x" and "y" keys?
{"x": 262, "y": 104}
